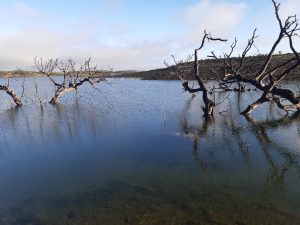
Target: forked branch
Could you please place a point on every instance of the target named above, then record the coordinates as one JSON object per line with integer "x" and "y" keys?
{"x": 73, "y": 77}
{"x": 179, "y": 70}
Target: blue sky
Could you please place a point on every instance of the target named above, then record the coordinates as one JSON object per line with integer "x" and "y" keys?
{"x": 130, "y": 34}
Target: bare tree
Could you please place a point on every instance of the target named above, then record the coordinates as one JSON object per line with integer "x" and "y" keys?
{"x": 269, "y": 77}
{"x": 180, "y": 72}
{"x": 73, "y": 77}
{"x": 235, "y": 70}
{"x": 10, "y": 91}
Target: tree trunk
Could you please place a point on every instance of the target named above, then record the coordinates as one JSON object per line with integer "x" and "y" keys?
{"x": 254, "y": 105}
{"x": 209, "y": 105}
{"x": 12, "y": 94}
{"x": 59, "y": 93}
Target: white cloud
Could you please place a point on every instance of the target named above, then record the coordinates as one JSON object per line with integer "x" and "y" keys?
{"x": 26, "y": 32}
{"x": 42, "y": 35}
{"x": 230, "y": 19}
{"x": 37, "y": 34}
{"x": 268, "y": 27}
{"x": 19, "y": 49}
{"x": 219, "y": 18}
{"x": 289, "y": 8}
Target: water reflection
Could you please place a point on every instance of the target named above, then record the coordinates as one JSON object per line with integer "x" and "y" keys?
{"x": 145, "y": 159}
{"x": 249, "y": 137}
{"x": 288, "y": 160}
{"x": 39, "y": 125}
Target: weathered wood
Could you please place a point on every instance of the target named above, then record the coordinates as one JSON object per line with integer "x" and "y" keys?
{"x": 268, "y": 77}
{"x": 12, "y": 94}
{"x": 179, "y": 71}
{"x": 254, "y": 105}
{"x": 73, "y": 77}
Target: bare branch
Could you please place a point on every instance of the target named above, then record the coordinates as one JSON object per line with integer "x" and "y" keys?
{"x": 180, "y": 72}
{"x": 73, "y": 77}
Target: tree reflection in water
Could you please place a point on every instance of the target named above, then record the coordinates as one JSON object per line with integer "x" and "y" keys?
{"x": 89, "y": 164}
{"x": 235, "y": 133}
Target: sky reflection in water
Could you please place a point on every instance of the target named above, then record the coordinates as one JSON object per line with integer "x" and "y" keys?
{"x": 140, "y": 152}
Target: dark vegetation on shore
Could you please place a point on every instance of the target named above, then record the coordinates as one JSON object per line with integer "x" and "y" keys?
{"x": 212, "y": 68}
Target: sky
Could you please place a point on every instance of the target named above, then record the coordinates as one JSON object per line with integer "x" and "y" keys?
{"x": 132, "y": 34}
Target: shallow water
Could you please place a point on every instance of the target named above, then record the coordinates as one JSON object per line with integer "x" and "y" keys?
{"x": 140, "y": 152}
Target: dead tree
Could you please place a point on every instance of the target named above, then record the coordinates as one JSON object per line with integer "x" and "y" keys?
{"x": 180, "y": 72}
{"x": 269, "y": 77}
{"x": 73, "y": 77}
{"x": 10, "y": 91}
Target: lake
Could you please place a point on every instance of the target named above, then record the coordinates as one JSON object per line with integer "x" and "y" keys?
{"x": 140, "y": 152}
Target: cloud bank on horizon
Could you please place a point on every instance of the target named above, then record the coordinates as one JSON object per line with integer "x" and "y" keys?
{"x": 130, "y": 34}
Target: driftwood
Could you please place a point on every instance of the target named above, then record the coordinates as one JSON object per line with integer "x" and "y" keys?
{"x": 73, "y": 77}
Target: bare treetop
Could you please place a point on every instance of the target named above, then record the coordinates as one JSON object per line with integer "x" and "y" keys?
{"x": 73, "y": 76}
{"x": 267, "y": 78}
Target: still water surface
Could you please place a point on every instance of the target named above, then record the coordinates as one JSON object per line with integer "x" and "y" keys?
{"x": 139, "y": 152}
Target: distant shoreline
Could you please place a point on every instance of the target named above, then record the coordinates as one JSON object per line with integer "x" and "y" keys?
{"x": 206, "y": 68}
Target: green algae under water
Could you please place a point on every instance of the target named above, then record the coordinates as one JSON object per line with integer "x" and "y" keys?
{"x": 139, "y": 152}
